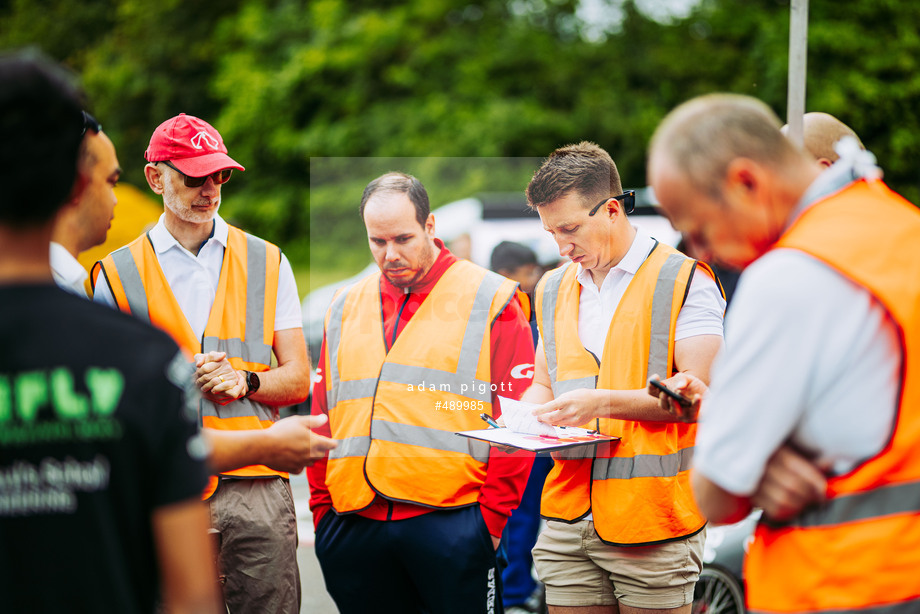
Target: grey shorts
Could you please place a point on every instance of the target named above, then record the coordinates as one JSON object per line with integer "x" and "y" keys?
{"x": 256, "y": 528}
{"x": 579, "y": 569}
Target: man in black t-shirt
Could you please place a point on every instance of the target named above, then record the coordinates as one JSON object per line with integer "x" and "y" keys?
{"x": 99, "y": 474}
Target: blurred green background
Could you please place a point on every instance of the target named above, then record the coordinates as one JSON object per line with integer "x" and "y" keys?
{"x": 287, "y": 82}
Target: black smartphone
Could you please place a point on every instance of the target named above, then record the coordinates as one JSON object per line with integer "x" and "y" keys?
{"x": 674, "y": 395}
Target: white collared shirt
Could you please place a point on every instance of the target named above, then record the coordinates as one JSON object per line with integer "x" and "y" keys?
{"x": 67, "y": 272}
{"x": 811, "y": 358}
{"x": 193, "y": 279}
{"x": 701, "y": 314}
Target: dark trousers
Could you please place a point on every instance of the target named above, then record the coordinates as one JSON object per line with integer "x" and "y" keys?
{"x": 441, "y": 562}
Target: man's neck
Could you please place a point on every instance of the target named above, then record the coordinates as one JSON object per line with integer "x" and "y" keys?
{"x": 66, "y": 231}
{"x": 24, "y": 255}
{"x": 622, "y": 240}
{"x": 68, "y": 241}
{"x": 190, "y": 235}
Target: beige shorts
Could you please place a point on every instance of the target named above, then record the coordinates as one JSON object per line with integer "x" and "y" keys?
{"x": 579, "y": 569}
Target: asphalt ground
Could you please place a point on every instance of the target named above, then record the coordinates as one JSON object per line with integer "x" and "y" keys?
{"x": 315, "y": 599}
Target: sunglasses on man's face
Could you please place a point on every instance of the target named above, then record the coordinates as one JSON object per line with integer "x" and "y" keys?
{"x": 196, "y": 182}
{"x": 90, "y": 123}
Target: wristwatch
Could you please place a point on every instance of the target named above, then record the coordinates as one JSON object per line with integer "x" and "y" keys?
{"x": 252, "y": 383}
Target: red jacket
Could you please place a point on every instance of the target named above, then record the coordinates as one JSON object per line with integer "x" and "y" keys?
{"x": 512, "y": 346}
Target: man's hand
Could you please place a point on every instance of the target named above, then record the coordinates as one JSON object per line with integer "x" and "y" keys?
{"x": 217, "y": 379}
{"x": 293, "y": 445}
{"x": 683, "y": 383}
{"x": 790, "y": 483}
{"x": 574, "y": 408}
{"x": 287, "y": 445}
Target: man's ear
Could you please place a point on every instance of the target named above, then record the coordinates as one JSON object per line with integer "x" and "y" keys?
{"x": 744, "y": 181}
{"x": 154, "y": 178}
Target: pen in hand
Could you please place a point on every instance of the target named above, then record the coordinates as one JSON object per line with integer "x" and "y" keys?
{"x": 489, "y": 421}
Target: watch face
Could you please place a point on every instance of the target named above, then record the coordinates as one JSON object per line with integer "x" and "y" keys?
{"x": 252, "y": 381}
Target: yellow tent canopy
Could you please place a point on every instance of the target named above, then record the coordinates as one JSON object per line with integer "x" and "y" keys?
{"x": 135, "y": 213}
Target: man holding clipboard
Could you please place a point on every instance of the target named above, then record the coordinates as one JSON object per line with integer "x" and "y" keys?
{"x": 623, "y": 531}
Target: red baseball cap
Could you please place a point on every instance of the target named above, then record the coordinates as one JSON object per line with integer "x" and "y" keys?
{"x": 192, "y": 145}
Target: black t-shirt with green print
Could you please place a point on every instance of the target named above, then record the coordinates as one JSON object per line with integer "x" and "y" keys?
{"x": 97, "y": 417}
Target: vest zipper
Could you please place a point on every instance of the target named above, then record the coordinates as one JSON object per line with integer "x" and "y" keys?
{"x": 395, "y": 330}
{"x": 398, "y": 316}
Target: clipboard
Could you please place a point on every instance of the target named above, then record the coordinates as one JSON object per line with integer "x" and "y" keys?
{"x": 569, "y": 437}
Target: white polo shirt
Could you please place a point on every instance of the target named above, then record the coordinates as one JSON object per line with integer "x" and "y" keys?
{"x": 193, "y": 279}
{"x": 701, "y": 314}
{"x": 810, "y": 358}
{"x": 67, "y": 272}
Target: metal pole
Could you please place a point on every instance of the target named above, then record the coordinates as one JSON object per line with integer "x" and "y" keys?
{"x": 798, "y": 59}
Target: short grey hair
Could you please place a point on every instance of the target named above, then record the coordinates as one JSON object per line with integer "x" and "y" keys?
{"x": 702, "y": 136}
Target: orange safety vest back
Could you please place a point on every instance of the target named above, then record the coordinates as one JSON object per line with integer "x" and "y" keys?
{"x": 637, "y": 490}
{"x": 241, "y": 322}
{"x": 395, "y": 413}
{"x": 859, "y": 551}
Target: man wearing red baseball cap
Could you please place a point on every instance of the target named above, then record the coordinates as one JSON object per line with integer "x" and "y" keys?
{"x": 229, "y": 299}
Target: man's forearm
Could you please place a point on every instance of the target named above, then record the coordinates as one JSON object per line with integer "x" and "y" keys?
{"x": 234, "y": 449}
{"x": 538, "y": 393}
{"x": 287, "y": 384}
{"x": 717, "y": 504}
{"x": 632, "y": 405}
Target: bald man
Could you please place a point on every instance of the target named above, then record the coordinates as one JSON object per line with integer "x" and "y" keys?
{"x": 821, "y": 131}
{"x": 823, "y": 354}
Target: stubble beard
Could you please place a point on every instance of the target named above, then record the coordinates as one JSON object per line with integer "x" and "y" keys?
{"x": 425, "y": 266}
{"x": 187, "y": 213}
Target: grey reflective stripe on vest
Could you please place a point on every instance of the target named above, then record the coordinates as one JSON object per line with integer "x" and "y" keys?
{"x": 478, "y": 325}
{"x": 425, "y": 437}
{"x": 574, "y": 384}
{"x": 131, "y": 281}
{"x": 550, "y": 296}
{"x": 875, "y": 503}
{"x": 662, "y": 301}
{"x": 240, "y": 408}
{"x": 643, "y": 466}
{"x": 356, "y": 389}
{"x": 333, "y": 341}
{"x": 250, "y": 351}
{"x": 254, "y": 349}
{"x": 351, "y": 446}
{"x": 911, "y": 606}
{"x": 256, "y": 263}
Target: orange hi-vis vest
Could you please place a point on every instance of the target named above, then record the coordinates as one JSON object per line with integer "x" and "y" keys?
{"x": 860, "y": 550}
{"x": 637, "y": 490}
{"x": 395, "y": 413}
{"x": 241, "y": 322}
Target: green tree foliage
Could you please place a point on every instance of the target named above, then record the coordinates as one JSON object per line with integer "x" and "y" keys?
{"x": 290, "y": 81}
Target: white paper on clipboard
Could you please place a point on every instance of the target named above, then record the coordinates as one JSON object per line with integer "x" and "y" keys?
{"x": 518, "y": 417}
{"x": 573, "y": 438}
